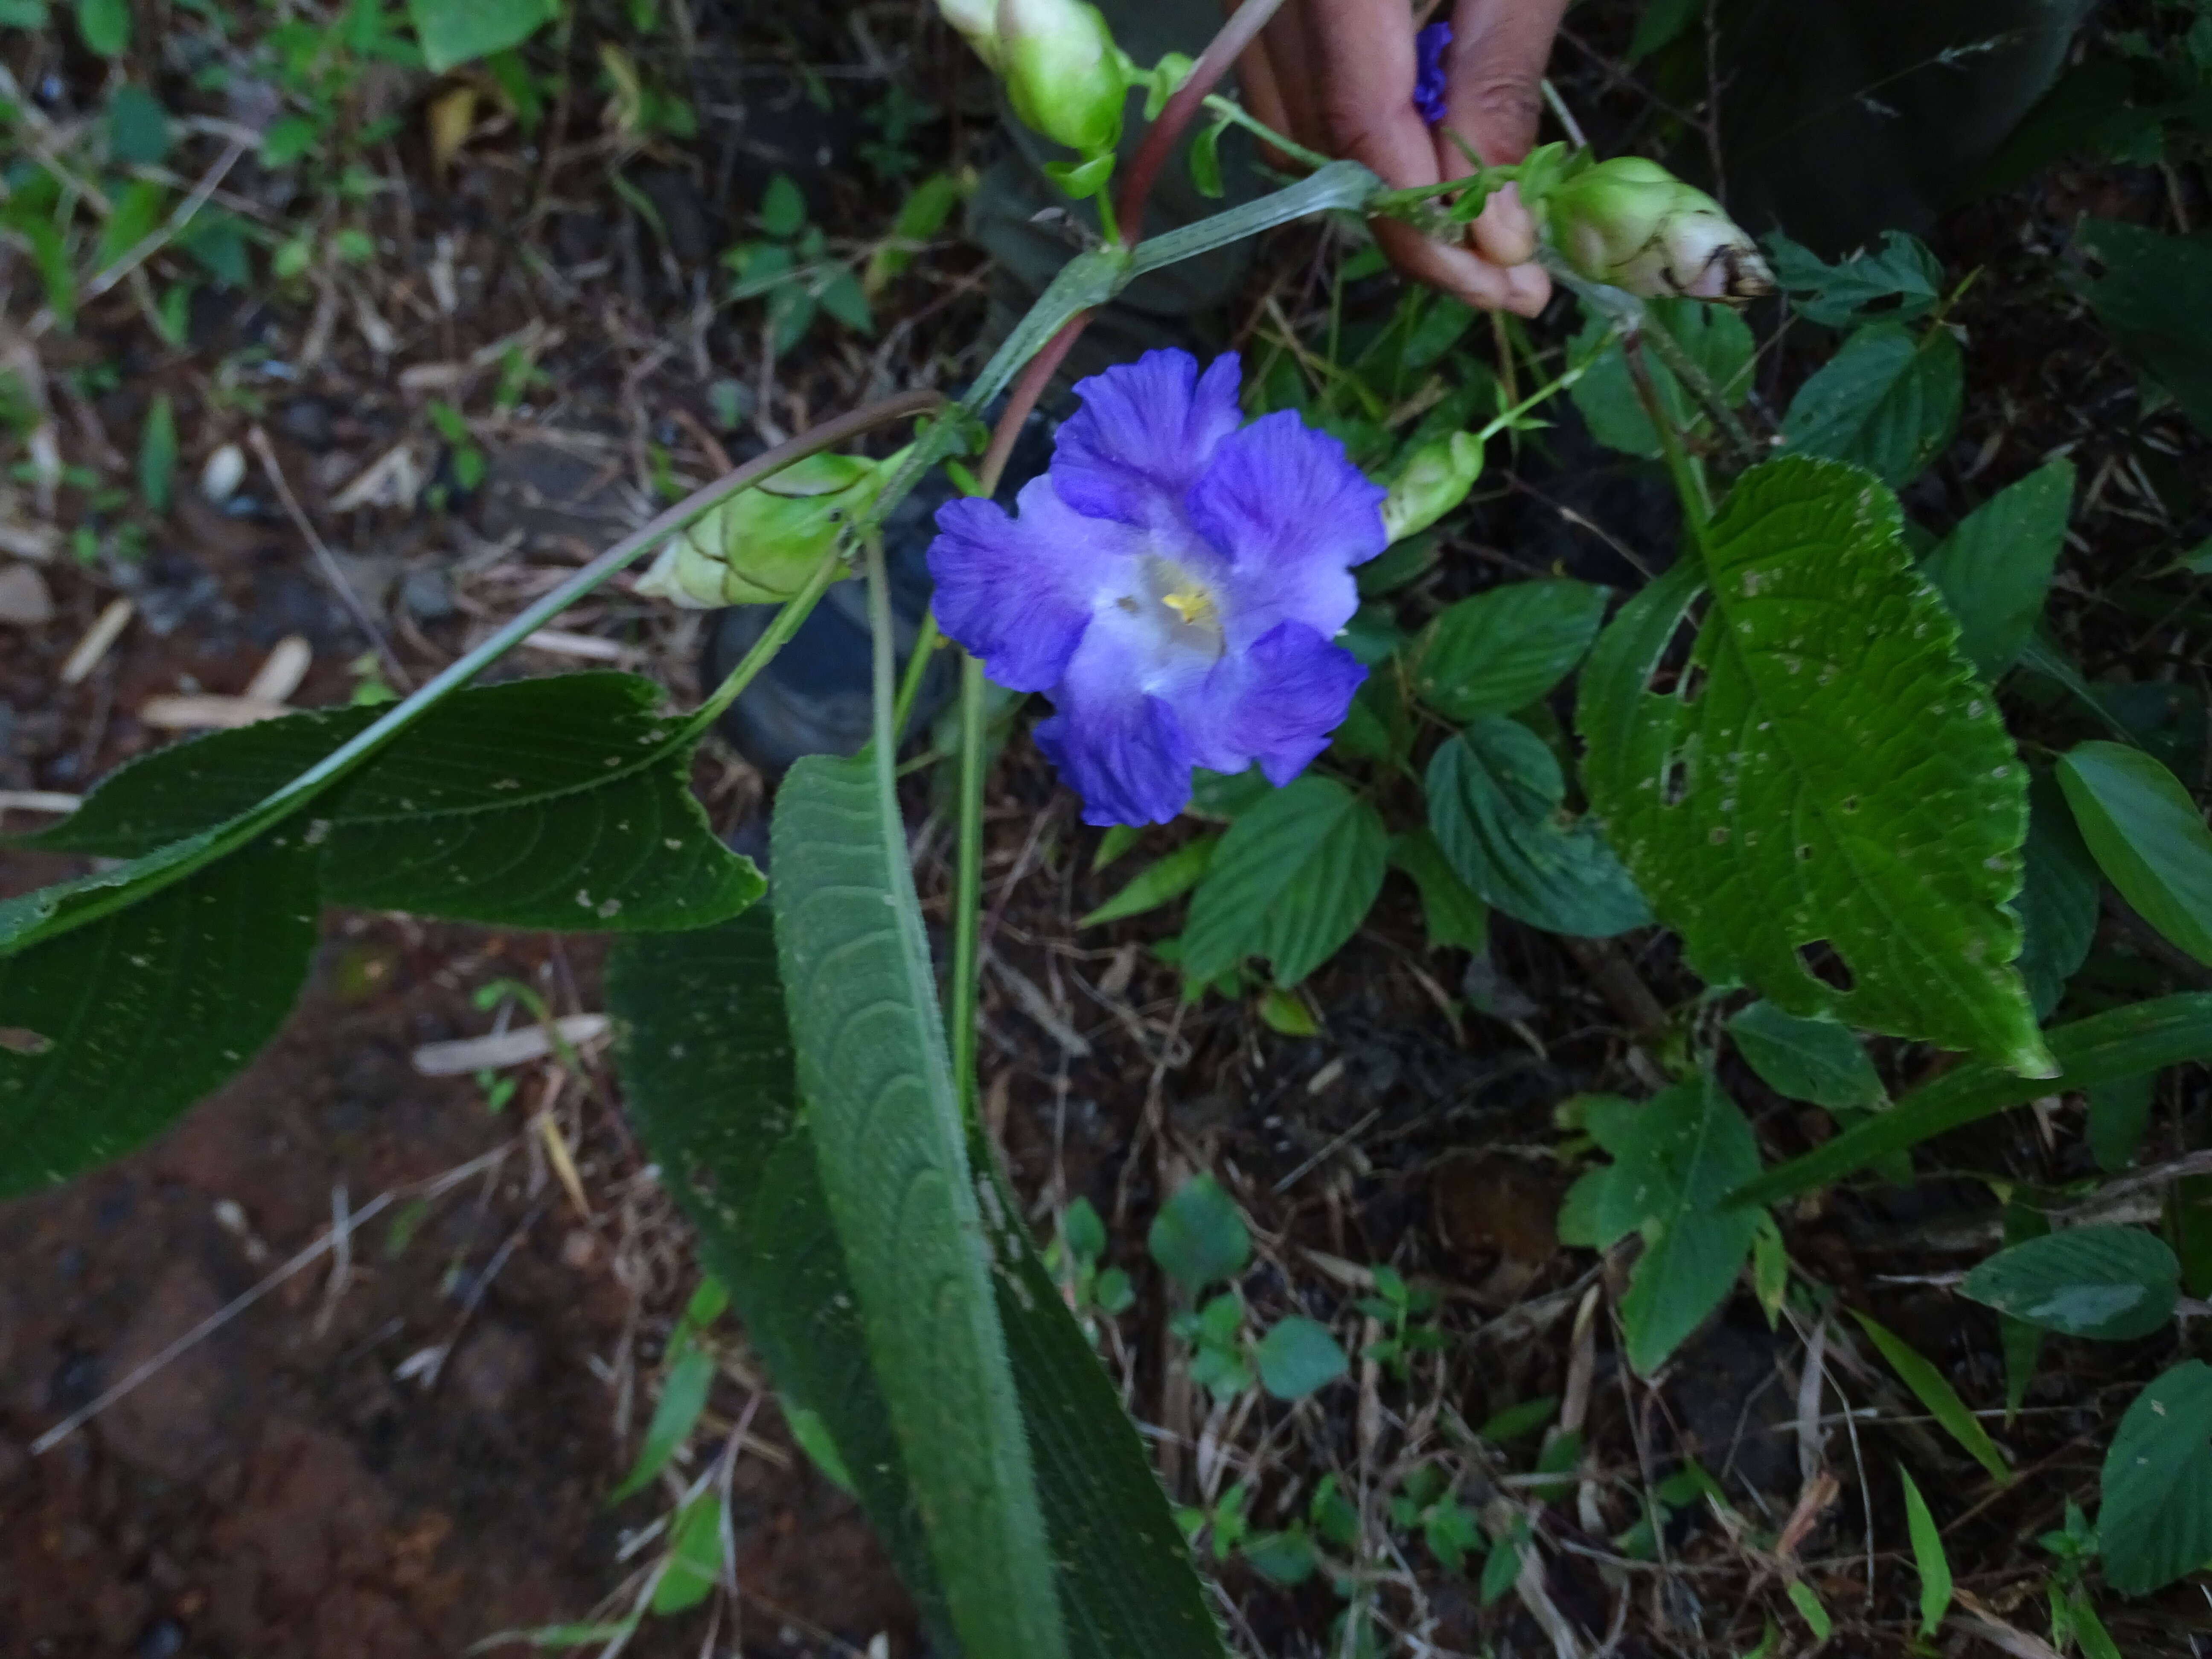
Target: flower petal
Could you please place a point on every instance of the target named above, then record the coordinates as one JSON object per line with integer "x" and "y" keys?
{"x": 1277, "y": 704}
{"x": 1143, "y": 435}
{"x": 1018, "y": 592}
{"x": 1117, "y": 737}
{"x": 1291, "y": 515}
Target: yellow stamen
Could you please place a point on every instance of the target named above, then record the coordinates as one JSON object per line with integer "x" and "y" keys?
{"x": 1196, "y": 606}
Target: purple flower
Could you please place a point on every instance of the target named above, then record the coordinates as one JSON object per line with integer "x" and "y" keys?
{"x": 1173, "y": 583}
{"x": 1429, "y": 72}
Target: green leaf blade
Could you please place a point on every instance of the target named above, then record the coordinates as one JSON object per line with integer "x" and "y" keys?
{"x": 1888, "y": 401}
{"x": 2154, "y": 1524}
{"x": 1290, "y": 881}
{"x": 1934, "y": 1391}
{"x": 2108, "y": 1284}
{"x": 455, "y": 32}
{"x": 1813, "y": 1059}
{"x": 2148, "y": 836}
{"x": 1502, "y": 650}
{"x": 1994, "y": 568}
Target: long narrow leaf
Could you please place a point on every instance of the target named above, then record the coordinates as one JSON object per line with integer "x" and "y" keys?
{"x": 1934, "y": 1391}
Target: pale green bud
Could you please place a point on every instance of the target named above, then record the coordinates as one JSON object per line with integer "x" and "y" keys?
{"x": 1436, "y": 480}
{"x": 1630, "y": 223}
{"x": 977, "y": 19}
{"x": 1064, "y": 76}
{"x": 760, "y": 546}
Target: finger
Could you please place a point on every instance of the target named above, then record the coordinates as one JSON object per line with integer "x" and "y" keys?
{"x": 1362, "y": 57}
{"x": 1494, "y": 73}
{"x": 1503, "y": 231}
{"x": 1456, "y": 271}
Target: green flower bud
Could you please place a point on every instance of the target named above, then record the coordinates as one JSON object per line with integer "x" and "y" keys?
{"x": 977, "y": 19}
{"x": 1064, "y": 78}
{"x": 1630, "y": 223}
{"x": 760, "y": 546}
{"x": 1433, "y": 481}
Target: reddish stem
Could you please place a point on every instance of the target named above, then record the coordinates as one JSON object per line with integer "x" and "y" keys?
{"x": 1242, "y": 28}
{"x": 1035, "y": 376}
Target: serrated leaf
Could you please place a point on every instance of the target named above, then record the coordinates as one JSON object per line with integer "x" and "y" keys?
{"x": 1165, "y": 879}
{"x": 1453, "y": 912}
{"x": 460, "y": 31}
{"x": 116, "y": 1027}
{"x": 1994, "y": 568}
{"x": 2058, "y": 901}
{"x": 1198, "y": 1237}
{"x": 1824, "y": 773}
{"x": 1888, "y": 401}
{"x": 2148, "y": 836}
{"x": 1901, "y": 270}
{"x": 1298, "y": 1356}
{"x": 1501, "y": 650}
{"x": 1292, "y": 880}
{"x": 2146, "y": 1037}
{"x": 1495, "y": 797}
{"x": 2110, "y": 1284}
{"x": 704, "y": 1051}
{"x": 1934, "y": 1391}
{"x": 890, "y": 1144}
{"x": 1674, "y": 1160}
{"x": 2154, "y": 1524}
{"x": 1814, "y": 1060}
{"x": 1713, "y": 337}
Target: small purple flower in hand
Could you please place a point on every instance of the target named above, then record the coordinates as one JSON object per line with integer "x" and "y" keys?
{"x": 1174, "y": 583}
{"x": 1429, "y": 72}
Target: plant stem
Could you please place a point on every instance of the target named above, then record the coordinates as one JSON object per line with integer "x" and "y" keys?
{"x": 1686, "y": 369}
{"x": 795, "y": 611}
{"x": 1230, "y": 110}
{"x": 1689, "y": 482}
{"x": 917, "y": 665}
{"x": 1242, "y": 28}
{"x": 967, "y": 895}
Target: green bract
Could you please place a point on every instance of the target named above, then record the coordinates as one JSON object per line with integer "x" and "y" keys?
{"x": 1631, "y": 224}
{"x": 761, "y": 545}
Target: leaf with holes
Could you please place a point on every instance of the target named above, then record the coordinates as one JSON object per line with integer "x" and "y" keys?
{"x": 1888, "y": 401}
{"x": 2154, "y": 1524}
{"x": 1291, "y": 881}
{"x": 1495, "y": 795}
{"x": 2110, "y": 1284}
{"x": 1994, "y": 568}
{"x": 1824, "y": 782}
{"x": 1815, "y": 1060}
{"x": 1499, "y": 651}
{"x": 2148, "y": 836}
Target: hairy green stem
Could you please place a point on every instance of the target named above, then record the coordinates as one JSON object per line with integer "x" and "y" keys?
{"x": 917, "y": 665}
{"x": 795, "y": 611}
{"x": 1689, "y": 481}
{"x": 1231, "y": 111}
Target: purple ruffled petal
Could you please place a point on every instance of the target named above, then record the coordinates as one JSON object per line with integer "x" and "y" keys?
{"x": 1144, "y": 434}
{"x": 1117, "y": 737}
{"x": 1018, "y": 593}
{"x": 1429, "y": 82}
{"x": 1291, "y": 514}
{"x": 1277, "y": 704}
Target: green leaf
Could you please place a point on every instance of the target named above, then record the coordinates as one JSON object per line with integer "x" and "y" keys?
{"x": 683, "y": 1397}
{"x": 1807, "y": 1601}
{"x": 1495, "y": 797}
{"x": 1994, "y": 569}
{"x": 1713, "y": 337}
{"x": 1888, "y": 401}
{"x": 23, "y": 13}
{"x": 1660, "y": 24}
{"x": 1118, "y": 839}
{"x": 1902, "y": 269}
{"x": 2148, "y": 836}
{"x": 704, "y": 1050}
{"x": 1454, "y": 912}
{"x": 157, "y": 454}
{"x": 138, "y": 126}
{"x": 1502, "y": 650}
{"x": 2122, "y": 1042}
{"x": 2058, "y": 901}
{"x": 1825, "y": 775}
{"x": 116, "y": 1027}
{"x": 1290, "y": 881}
{"x": 1934, "y": 1391}
{"x": 138, "y": 208}
{"x": 1674, "y": 1160}
{"x": 2119, "y": 1113}
{"x": 1814, "y": 1060}
{"x": 1198, "y": 1237}
{"x": 2150, "y": 300}
{"x": 782, "y": 208}
{"x": 1298, "y": 1356}
{"x": 890, "y": 1144}
{"x": 2110, "y": 1284}
{"x": 104, "y": 25}
{"x": 1163, "y": 880}
{"x": 455, "y": 32}
{"x": 2154, "y": 1524}
{"x": 694, "y": 1555}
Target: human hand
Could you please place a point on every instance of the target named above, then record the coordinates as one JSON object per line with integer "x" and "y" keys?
{"x": 1337, "y": 76}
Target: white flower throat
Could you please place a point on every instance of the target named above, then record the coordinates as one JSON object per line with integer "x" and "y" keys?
{"x": 1182, "y": 608}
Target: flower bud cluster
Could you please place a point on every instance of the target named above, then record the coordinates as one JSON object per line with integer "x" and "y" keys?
{"x": 1630, "y": 223}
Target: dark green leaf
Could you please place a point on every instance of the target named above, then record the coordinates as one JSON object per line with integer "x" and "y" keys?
{"x": 1815, "y": 1060}
{"x": 2151, "y": 300}
{"x": 116, "y": 1027}
{"x": 694, "y": 1555}
{"x": 1934, "y": 1391}
{"x": 1902, "y": 269}
{"x": 1994, "y": 569}
{"x": 2058, "y": 901}
{"x": 1713, "y": 337}
{"x": 1198, "y": 1237}
{"x": 1661, "y": 22}
{"x": 1888, "y": 401}
{"x": 2112, "y": 1284}
{"x": 1502, "y": 650}
{"x": 138, "y": 126}
{"x": 104, "y": 25}
{"x": 1454, "y": 912}
{"x": 1495, "y": 798}
{"x": 455, "y": 32}
{"x": 1298, "y": 1356}
{"x": 782, "y": 208}
{"x": 157, "y": 454}
{"x": 2147, "y": 836}
{"x": 2146, "y": 1037}
{"x": 1164, "y": 879}
{"x": 1824, "y": 776}
{"x": 1291, "y": 881}
{"x": 2119, "y": 1113}
{"x": 683, "y": 1397}
{"x": 138, "y": 214}
{"x": 2155, "y": 1523}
